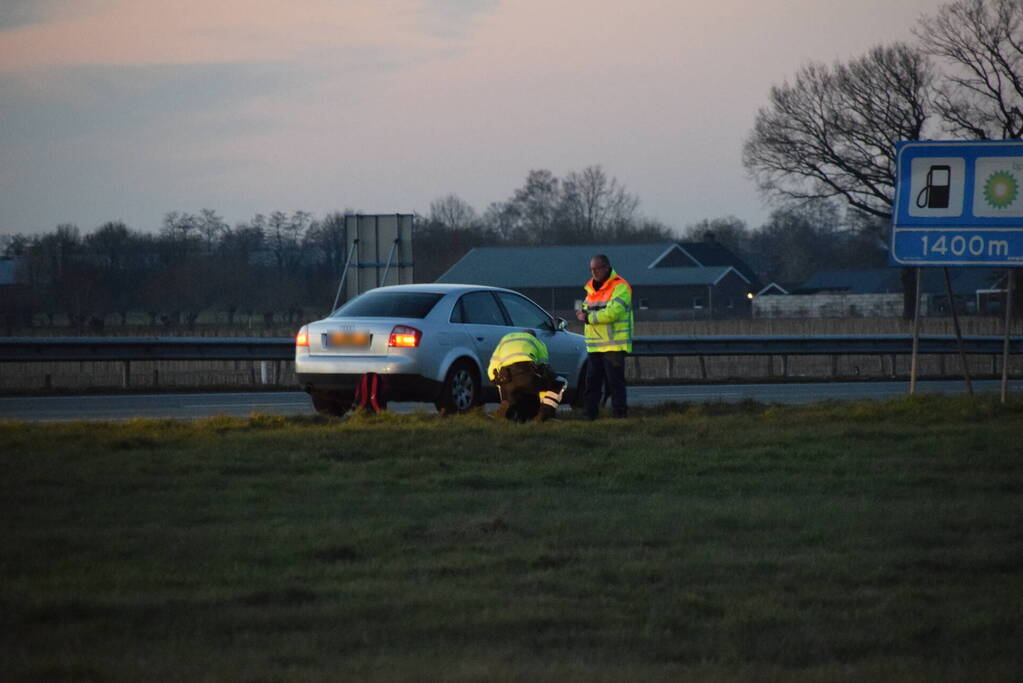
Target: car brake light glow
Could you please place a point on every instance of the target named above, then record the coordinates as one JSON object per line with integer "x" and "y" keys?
{"x": 302, "y": 338}
{"x": 404, "y": 336}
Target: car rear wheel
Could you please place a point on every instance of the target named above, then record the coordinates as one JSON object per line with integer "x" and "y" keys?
{"x": 461, "y": 391}
{"x": 331, "y": 404}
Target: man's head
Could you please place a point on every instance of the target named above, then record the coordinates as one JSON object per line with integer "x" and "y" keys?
{"x": 600, "y": 267}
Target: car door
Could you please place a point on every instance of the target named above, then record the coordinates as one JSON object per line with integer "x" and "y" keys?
{"x": 524, "y": 313}
{"x": 483, "y": 320}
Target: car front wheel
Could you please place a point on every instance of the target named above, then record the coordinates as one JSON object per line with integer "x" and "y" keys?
{"x": 461, "y": 391}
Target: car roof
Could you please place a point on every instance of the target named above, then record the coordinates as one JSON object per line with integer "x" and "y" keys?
{"x": 437, "y": 288}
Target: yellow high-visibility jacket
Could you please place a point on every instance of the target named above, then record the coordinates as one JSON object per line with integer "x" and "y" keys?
{"x": 516, "y": 347}
{"x": 609, "y": 320}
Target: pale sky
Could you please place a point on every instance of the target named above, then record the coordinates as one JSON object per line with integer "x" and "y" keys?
{"x": 129, "y": 109}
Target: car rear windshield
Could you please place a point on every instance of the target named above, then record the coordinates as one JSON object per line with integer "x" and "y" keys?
{"x": 377, "y": 304}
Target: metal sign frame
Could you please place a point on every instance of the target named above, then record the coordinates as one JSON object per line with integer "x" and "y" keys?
{"x": 958, "y": 203}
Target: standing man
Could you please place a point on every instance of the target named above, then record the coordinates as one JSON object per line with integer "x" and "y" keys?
{"x": 520, "y": 368}
{"x": 607, "y": 314}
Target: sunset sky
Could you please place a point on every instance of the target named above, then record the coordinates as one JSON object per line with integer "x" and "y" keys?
{"x": 129, "y": 109}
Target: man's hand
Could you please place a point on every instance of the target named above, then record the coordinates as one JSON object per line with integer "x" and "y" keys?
{"x": 580, "y": 316}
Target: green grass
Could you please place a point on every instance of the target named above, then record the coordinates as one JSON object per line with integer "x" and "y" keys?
{"x": 840, "y": 542}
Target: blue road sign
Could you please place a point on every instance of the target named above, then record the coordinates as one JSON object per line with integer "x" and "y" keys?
{"x": 958, "y": 204}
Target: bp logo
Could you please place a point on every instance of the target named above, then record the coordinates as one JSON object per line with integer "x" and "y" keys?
{"x": 1000, "y": 189}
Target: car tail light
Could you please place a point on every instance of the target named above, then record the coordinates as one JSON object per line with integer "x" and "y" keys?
{"x": 404, "y": 336}
{"x": 302, "y": 338}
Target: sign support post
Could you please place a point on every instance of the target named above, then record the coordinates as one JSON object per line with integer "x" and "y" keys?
{"x": 1008, "y": 328}
{"x": 959, "y": 333}
{"x": 916, "y": 332}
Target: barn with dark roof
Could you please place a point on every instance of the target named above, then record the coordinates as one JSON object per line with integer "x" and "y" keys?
{"x": 670, "y": 281}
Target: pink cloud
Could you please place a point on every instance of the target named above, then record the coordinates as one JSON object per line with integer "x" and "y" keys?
{"x": 129, "y": 32}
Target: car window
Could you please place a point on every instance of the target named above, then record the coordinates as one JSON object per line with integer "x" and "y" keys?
{"x": 384, "y": 304}
{"x": 457, "y": 315}
{"x": 523, "y": 312}
{"x": 480, "y": 308}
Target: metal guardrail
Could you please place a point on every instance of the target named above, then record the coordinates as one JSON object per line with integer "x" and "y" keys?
{"x": 818, "y": 345}
{"x": 49, "y": 349}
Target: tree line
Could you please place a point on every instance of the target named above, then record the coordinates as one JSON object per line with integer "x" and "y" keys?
{"x": 283, "y": 267}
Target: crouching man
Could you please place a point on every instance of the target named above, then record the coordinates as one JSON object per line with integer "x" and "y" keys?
{"x": 520, "y": 369}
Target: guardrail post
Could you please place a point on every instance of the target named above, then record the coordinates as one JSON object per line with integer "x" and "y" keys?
{"x": 834, "y": 367}
{"x": 703, "y": 367}
{"x": 126, "y": 374}
{"x": 264, "y": 372}
{"x": 156, "y": 377}
{"x": 784, "y": 366}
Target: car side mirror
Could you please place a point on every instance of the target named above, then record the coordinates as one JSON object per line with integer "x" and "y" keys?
{"x": 560, "y": 324}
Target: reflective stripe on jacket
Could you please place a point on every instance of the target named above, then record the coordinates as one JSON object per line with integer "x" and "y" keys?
{"x": 609, "y": 315}
{"x": 517, "y": 347}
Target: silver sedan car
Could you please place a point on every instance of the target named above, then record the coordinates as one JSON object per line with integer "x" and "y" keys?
{"x": 426, "y": 342}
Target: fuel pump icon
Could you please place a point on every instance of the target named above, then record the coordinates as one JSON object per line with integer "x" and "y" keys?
{"x": 936, "y": 191}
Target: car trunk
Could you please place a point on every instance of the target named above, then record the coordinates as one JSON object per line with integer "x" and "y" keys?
{"x": 350, "y": 337}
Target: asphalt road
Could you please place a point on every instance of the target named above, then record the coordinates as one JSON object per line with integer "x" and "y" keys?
{"x": 193, "y": 406}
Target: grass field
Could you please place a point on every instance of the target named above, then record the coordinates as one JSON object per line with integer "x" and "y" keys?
{"x": 838, "y": 542}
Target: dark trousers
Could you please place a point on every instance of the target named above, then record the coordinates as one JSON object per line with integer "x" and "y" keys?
{"x": 606, "y": 369}
{"x": 520, "y": 385}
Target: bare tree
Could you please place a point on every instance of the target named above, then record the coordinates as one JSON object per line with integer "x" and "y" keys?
{"x": 328, "y": 237}
{"x": 15, "y": 245}
{"x": 981, "y": 41}
{"x": 454, "y": 212}
{"x": 112, "y": 243}
{"x": 180, "y": 226}
{"x": 211, "y": 227}
{"x": 500, "y": 218}
{"x": 592, "y": 204}
{"x": 832, "y": 132}
{"x": 58, "y": 249}
{"x": 795, "y": 242}
{"x": 534, "y": 207}
{"x": 278, "y": 237}
{"x": 728, "y": 231}
{"x": 283, "y": 235}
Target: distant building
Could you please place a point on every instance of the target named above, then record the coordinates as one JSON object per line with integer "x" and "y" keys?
{"x": 16, "y": 299}
{"x": 7, "y": 270}
{"x": 670, "y": 281}
{"x": 772, "y": 289}
{"x": 863, "y": 281}
{"x": 877, "y": 292}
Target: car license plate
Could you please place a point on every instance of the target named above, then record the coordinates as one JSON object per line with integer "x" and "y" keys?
{"x": 348, "y": 340}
